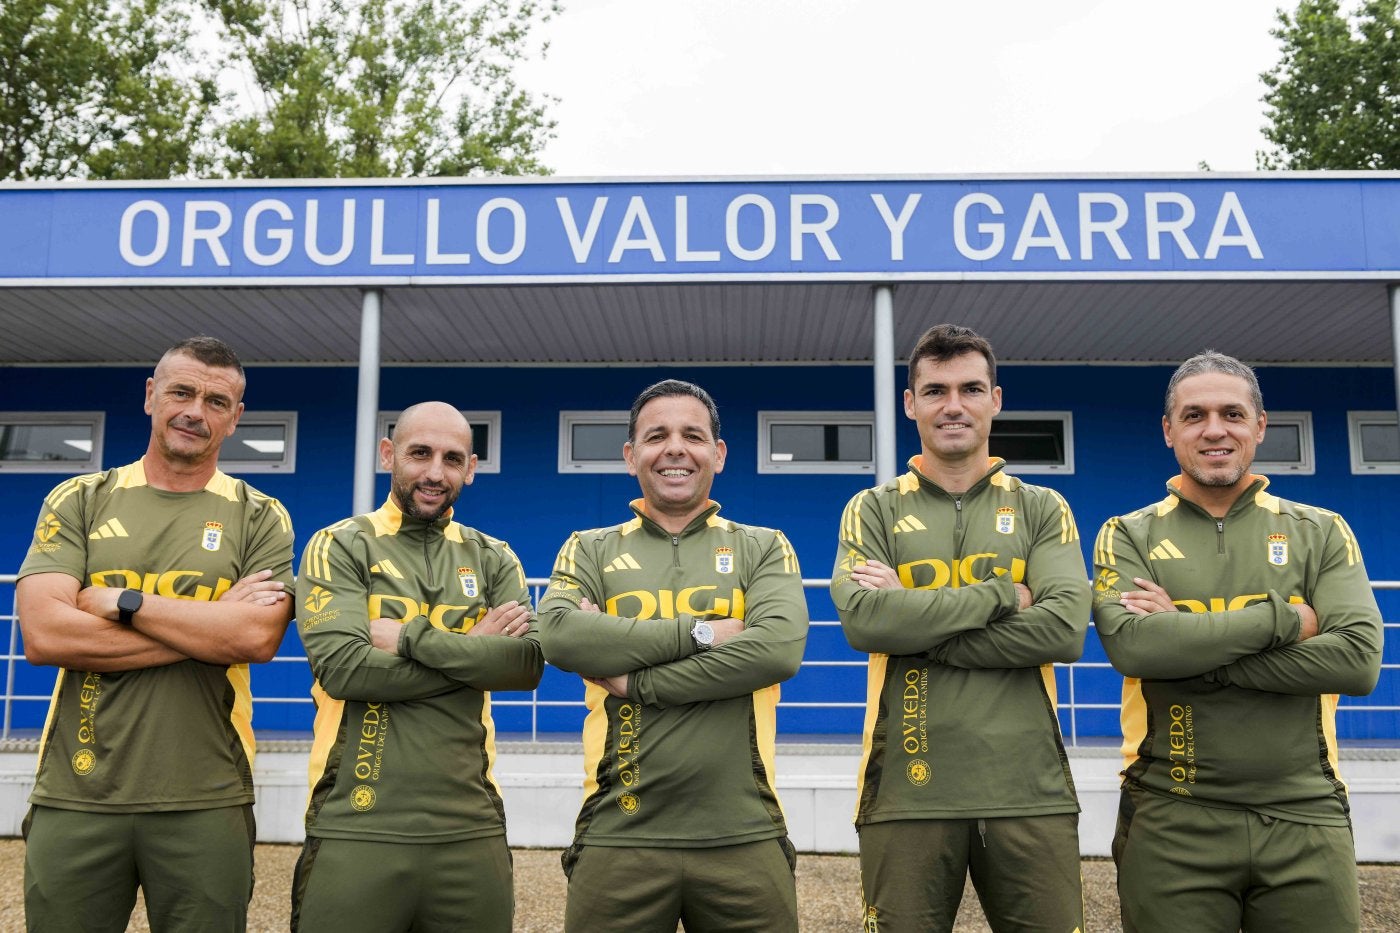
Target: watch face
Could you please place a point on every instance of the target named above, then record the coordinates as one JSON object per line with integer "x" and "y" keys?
{"x": 703, "y": 633}
{"x": 128, "y": 601}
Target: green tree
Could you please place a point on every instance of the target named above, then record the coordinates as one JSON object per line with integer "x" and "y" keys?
{"x": 100, "y": 89}
{"x": 375, "y": 88}
{"x": 1333, "y": 100}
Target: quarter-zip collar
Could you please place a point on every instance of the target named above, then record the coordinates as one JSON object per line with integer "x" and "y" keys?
{"x": 389, "y": 519}
{"x": 1245, "y": 500}
{"x": 639, "y": 508}
{"x": 994, "y": 466}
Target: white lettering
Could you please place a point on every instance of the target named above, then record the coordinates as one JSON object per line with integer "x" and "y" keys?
{"x": 347, "y": 233}
{"x": 818, "y": 228}
{"x": 157, "y": 253}
{"x": 483, "y": 231}
{"x": 377, "y": 256}
{"x": 895, "y": 224}
{"x": 1230, "y": 208}
{"x": 435, "y": 256}
{"x": 279, "y": 235}
{"x": 210, "y": 235}
{"x": 731, "y": 227}
{"x": 996, "y": 231}
{"x": 637, "y": 216}
{"x": 1088, "y": 226}
{"x": 1156, "y": 226}
{"x": 1040, "y": 211}
{"x": 581, "y": 245}
{"x": 683, "y": 251}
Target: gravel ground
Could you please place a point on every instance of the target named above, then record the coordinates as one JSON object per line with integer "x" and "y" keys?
{"x": 828, "y": 893}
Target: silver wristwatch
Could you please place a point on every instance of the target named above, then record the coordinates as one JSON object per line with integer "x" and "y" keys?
{"x": 704, "y": 635}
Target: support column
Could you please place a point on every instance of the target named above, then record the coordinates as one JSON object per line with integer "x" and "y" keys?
{"x": 1394, "y": 292}
{"x": 367, "y": 403}
{"x": 885, "y": 466}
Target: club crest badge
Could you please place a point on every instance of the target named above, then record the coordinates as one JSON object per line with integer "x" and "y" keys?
{"x": 213, "y": 536}
{"x": 1006, "y": 520}
{"x": 1278, "y": 549}
{"x": 468, "y": 578}
{"x": 724, "y": 560}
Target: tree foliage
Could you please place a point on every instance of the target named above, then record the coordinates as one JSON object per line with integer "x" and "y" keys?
{"x": 99, "y": 88}
{"x": 370, "y": 88}
{"x": 268, "y": 88}
{"x": 1333, "y": 100}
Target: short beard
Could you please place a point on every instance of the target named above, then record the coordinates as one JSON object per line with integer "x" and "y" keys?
{"x": 404, "y": 495}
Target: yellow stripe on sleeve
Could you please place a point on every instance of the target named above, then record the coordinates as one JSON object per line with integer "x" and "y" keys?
{"x": 1103, "y": 547}
{"x": 1353, "y": 549}
{"x": 852, "y": 531}
{"x": 789, "y": 555}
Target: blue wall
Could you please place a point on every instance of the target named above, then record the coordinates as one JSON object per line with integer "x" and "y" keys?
{"x": 1120, "y": 459}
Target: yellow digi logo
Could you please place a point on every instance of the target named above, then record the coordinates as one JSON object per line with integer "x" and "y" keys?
{"x": 629, "y": 803}
{"x": 318, "y": 598}
{"x": 48, "y": 527}
{"x": 362, "y": 798}
{"x": 84, "y": 761}
{"x": 919, "y": 772}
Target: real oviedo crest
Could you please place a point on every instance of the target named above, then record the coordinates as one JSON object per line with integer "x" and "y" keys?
{"x": 1006, "y": 520}
{"x": 1278, "y": 549}
{"x": 724, "y": 560}
{"x": 213, "y": 536}
{"x": 468, "y": 578}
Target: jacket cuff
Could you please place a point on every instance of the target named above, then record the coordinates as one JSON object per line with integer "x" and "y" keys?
{"x": 687, "y": 646}
{"x": 407, "y": 634}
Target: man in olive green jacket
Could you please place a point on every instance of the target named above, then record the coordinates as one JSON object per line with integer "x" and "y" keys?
{"x": 683, "y": 624}
{"x": 1236, "y": 617}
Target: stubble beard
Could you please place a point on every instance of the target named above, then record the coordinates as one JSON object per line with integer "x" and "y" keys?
{"x": 1219, "y": 480}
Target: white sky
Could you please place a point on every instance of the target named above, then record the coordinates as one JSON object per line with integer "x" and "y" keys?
{"x": 836, "y": 87}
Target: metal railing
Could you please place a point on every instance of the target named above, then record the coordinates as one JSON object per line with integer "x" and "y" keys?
{"x": 1068, "y": 704}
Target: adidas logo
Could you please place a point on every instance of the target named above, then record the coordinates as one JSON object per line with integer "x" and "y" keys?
{"x": 1165, "y": 551}
{"x": 909, "y": 523}
{"x": 625, "y": 562}
{"x": 111, "y": 528}
{"x": 387, "y": 568}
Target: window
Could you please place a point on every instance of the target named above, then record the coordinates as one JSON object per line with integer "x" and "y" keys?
{"x": 263, "y": 442}
{"x": 816, "y": 442}
{"x": 51, "y": 441}
{"x": 1375, "y": 442}
{"x": 591, "y": 441}
{"x": 1034, "y": 441}
{"x": 1288, "y": 444}
{"x": 486, "y": 437}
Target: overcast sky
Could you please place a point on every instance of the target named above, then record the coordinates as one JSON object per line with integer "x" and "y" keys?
{"x": 828, "y": 87}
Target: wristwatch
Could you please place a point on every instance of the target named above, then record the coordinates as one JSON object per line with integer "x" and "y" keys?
{"x": 128, "y": 604}
{"x": 704, "y": 635}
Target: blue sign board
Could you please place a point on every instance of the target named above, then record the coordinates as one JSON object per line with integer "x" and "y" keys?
{"x": 1299, "y": 225}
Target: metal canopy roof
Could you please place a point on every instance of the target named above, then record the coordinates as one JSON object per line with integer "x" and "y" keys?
{"x": 736, "y": 322}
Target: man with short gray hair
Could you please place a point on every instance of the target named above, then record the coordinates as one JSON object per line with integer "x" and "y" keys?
{"x": 1236, "y": 618}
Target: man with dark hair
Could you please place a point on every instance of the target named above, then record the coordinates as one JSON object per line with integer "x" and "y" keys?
{"x": 1236, "y": 618}
{"x": 152, "y": 586}
{"x": 683, "y": 624}
{"x": 964, "y": 585}
{"x": 410, "y": 620}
